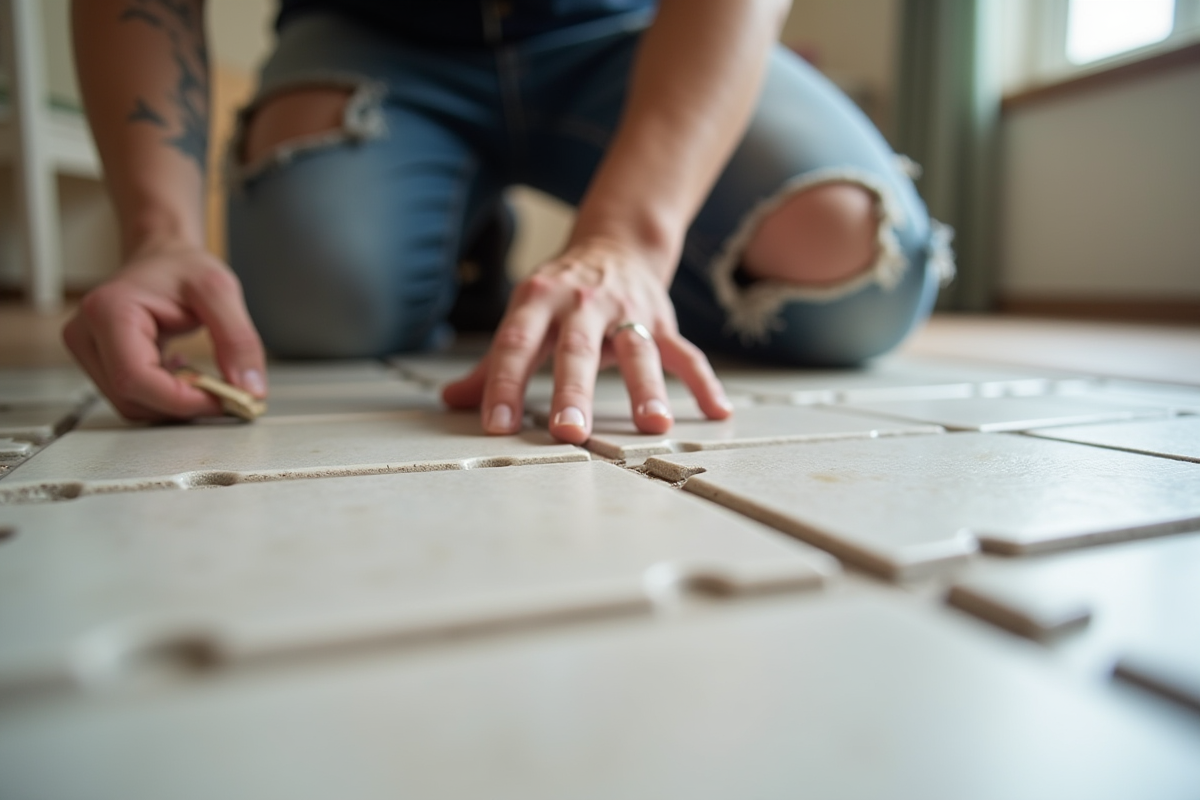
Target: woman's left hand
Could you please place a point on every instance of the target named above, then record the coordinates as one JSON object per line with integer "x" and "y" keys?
{"x": 582, "y": 307}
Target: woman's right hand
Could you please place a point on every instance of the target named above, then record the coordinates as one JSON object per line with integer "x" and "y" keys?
{"x": 165, "y": 290}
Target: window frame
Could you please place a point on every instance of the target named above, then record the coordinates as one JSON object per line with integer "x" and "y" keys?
{"x": 1036, "y": 31}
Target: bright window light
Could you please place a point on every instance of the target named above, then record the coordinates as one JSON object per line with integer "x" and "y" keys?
{"x": 1100, "y": 28}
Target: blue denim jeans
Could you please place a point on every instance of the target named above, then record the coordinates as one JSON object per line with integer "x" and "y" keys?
{"x": 347, "y": 242}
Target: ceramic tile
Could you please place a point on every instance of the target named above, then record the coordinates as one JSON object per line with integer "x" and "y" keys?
{"x": 309, "y": 373}
{"x": 894, "y": 378}
{"x": 610, "y": 389}
{"x": 436, "y": 370}
{"x": 809, "y": 387}
{"x": 1171, "y": 669}
{"x": 995, "y": 380}
{"x": 183, "y": 456}
{"x": 1006, "y": 413}
{"x": 908, "y": 505}
{"x": 1175, "y": 397}
{"x": 304, "y": 403}
{"x": 740, "y": 701}
{"x": 1027, "y": 604}
{"x": 395, "y": 384}
{"x": 615, "y": 436}
{"x": 290, "y": 379}
{"x": 1133, "y": 593}
{"x": 37, "y": 423}
{"x": 13, "y": 450}
{"x": 1177, "y": 437}
{"x": 353, "y": 400}
{"x": 53, "y": 385}
{"x": 304, "y": 563}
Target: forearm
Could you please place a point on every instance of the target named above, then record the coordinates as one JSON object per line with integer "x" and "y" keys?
{"x": 694, "y": 87}
{"x": 143, "y": 72}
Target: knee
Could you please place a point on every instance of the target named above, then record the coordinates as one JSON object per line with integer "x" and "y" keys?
{"x": 327, "y": 272}
{"x": 334, "y": 299}
{"x": 817, "y": 237}
{"x": 329, "y": 334}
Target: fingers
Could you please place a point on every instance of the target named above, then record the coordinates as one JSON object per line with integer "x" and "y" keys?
{"x": 84, "y": 349}
{"x": 116, "y": 342}
{"x": 576, "y": 362}
{"x": 684, "y": 360}
{"x": 514, "y": 356}
{"x": 569, "y": 304}
{"x": 641, "y": 369}
{"x": 217, "y": 300}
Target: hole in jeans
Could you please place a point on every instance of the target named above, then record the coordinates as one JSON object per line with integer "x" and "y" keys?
{"x": 818, "y": 236}
{"x": 293, "y": 118}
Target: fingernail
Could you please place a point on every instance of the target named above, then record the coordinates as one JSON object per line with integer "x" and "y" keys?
{"x": 501, "y": 418}
{"x": 654, "y": 408}
{"x": 253, "y": 382}
{"x": 570, "y": 416}
{"x": 724, "y": 403}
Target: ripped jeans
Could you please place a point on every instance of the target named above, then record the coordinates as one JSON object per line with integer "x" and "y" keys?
{"x": 347, "y": 242}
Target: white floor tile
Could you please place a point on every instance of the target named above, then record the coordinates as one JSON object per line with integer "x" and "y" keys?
{"x": 44, "y": 385}
{"x": 1171, "y": 669}
{"x": 615, "y": 436}
{"x": 309, "y": 373}
{"x": 1176, "y": 398}
{"x": 994, "y": 380}
{"x": 13, "y": 449}
{"x": 1006, "y": 413}
{"x": 309, "y": 563}
{"x": 88, "y": 461}
{"x": 1178, "y": 437}
{"x": 36, "y": 423}
{"x": 304, "y": 403}
{"x": 894, "y": 378}
{"x": 435, "y": 370}
{"x": 808, "y": 387}
{"x": 903, "y": 506}
{"x": 848, "y": 699}
{"x": 1127, "y": 594}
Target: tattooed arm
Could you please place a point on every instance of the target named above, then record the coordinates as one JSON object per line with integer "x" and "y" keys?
{"x": 143, "y": 70}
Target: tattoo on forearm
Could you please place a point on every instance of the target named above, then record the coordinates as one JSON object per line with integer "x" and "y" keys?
{"x": 144, "y": 113}
{"x": 186, "y": 115}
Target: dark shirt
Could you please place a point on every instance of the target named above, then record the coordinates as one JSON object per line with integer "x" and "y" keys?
{"x": 462, "y": 22}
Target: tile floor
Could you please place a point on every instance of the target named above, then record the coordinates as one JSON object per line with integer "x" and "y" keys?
{"x": 941, "y": 576}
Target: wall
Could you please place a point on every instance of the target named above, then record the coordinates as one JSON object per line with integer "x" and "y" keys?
{"x": 240, "y": 36}
{"x": 1101, "y": 193}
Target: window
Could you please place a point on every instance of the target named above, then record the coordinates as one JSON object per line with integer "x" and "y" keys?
{"x": 1049, "y": 40}
{"x": 1097, "y": 29}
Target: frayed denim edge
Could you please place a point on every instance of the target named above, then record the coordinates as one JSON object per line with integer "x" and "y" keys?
{"x": 362, "y": 120}
{"x": 754, "y": 311}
